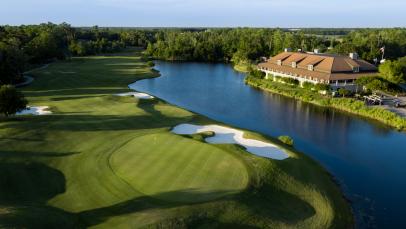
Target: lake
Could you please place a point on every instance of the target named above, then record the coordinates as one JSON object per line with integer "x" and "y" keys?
{"x": 367, "y": 158}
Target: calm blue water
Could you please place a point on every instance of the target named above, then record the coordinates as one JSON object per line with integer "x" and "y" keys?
{"x": 368, "y": 159}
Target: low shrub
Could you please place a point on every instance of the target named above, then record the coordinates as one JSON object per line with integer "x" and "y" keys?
{"x": 286, "y": 140}
{"x": 344, "y": 92}
{"x": 322, "y": 87}
{"x": 308, "y": 85}
{"x": 257, "y": 74}
{"x": 150, "y": 64}
{"x": 290, "y": 81}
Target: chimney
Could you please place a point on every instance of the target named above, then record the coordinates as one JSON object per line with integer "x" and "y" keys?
{"x": 354, "y": 56}
{"x": 316, "y": 51}
{"x": 288, "y": 50}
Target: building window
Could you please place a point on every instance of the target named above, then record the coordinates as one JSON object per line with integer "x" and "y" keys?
{"x": 294, "y": 65}
{"x": 310, "y": 67}
{"x": 355, "y": 69}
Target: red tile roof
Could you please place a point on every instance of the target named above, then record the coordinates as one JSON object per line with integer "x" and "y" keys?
{"x": 325, "y": 66}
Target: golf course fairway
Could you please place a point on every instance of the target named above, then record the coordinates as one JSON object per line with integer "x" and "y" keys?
{"x": 105, "y": 161}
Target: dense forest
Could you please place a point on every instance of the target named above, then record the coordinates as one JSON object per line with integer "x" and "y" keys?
{"x": 22, "y": 47}
{"x": 247, "y": 44}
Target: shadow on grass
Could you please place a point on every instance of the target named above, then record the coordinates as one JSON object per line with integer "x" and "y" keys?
{"x": 24, "y": 190}
{"x": 282, "y": 207}
{"x": 148, "y": 105}
{"x": 84, "y": 122}
{"x": 24, "y": 154}
{"x": 73, "y": 92}
{"x": 71, "y": 98}
{"x": 143, "y": 203}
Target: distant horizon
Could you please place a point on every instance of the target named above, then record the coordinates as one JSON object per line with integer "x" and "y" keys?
{"x": 208, "y": 13}
{"x": 199, "y": 27}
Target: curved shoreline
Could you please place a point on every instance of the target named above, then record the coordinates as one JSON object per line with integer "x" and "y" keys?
{"x": 299, "y": 189}
{"x": 332, "y": 177}
{"x": 337, "y": 107}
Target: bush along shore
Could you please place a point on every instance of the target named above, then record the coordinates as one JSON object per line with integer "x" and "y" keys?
{"x": 351, "y": 105}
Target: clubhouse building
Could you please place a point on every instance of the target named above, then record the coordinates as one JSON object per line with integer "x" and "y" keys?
{"x": 336, "y": 70}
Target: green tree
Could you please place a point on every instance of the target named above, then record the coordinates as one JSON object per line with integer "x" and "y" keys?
{"x": 257, "y": 74}
{"x": 11, "y": 100}
{"x": 393, "y": 71}
{"x": 12, "y": 62}
{"x": 344, "y": 92}
{"x": 377, "y": 85}
{"x": 322, "y": 87}
{"x": 277, "y": 42}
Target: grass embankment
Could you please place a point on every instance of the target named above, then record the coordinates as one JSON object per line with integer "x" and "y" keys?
{"x": 345, "y": 104}
{"x": 243, "y": 67}
{"x": 111, "y": 162}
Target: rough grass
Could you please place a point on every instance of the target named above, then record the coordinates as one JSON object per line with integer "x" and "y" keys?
{"x": 110, "y": 162}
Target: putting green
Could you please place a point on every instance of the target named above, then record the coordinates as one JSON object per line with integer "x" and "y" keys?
{"x": 102, "y": 161}
{"x": 166, "y": 165}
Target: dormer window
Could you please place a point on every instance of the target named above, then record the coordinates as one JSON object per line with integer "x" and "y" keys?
{"x": 310, "y": 67}
{"x": 294, "y": 64}
{"x": 355, "y": 69}
{"x": 279, "y": 62}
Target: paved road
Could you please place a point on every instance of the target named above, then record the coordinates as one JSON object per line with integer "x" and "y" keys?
{"x": 389, "y": 104}
{"x": 28, "y": 79}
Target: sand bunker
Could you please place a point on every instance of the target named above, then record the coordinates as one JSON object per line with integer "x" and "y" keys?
{"x": 136, "y": 95}
{"x": 226, "y": 135}
{"x": 40, "y": 110}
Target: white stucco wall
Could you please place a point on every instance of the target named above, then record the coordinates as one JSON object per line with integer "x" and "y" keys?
{"x": 334, "y": 85}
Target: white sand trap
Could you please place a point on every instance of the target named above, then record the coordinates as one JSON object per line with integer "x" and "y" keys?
{"x": 40, "y": 110}
{"x": 226, "y": 135}
{"x": 136, "y": 95}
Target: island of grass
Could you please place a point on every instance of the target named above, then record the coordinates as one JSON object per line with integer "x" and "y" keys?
{"x": 106, "y": 161}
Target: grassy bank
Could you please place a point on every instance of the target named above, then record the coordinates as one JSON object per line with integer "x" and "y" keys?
{"x": 345, "y": 104}
{"x": 103, "y": 161}
{"x": 243, "y": 67}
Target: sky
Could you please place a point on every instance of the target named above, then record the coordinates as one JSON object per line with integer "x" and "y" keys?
{"x": 207, "y": 13}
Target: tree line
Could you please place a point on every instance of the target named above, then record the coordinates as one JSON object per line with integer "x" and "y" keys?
{"x": 229, "y": 45}
{"x": 251, "y": 44}
{"x": 22, "y": 47}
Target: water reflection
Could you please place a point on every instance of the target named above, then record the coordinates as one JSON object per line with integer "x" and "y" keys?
{"x": 366, "y": 157}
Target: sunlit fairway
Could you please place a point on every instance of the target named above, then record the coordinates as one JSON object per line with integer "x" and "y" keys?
{"x": 111, "y": 162}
